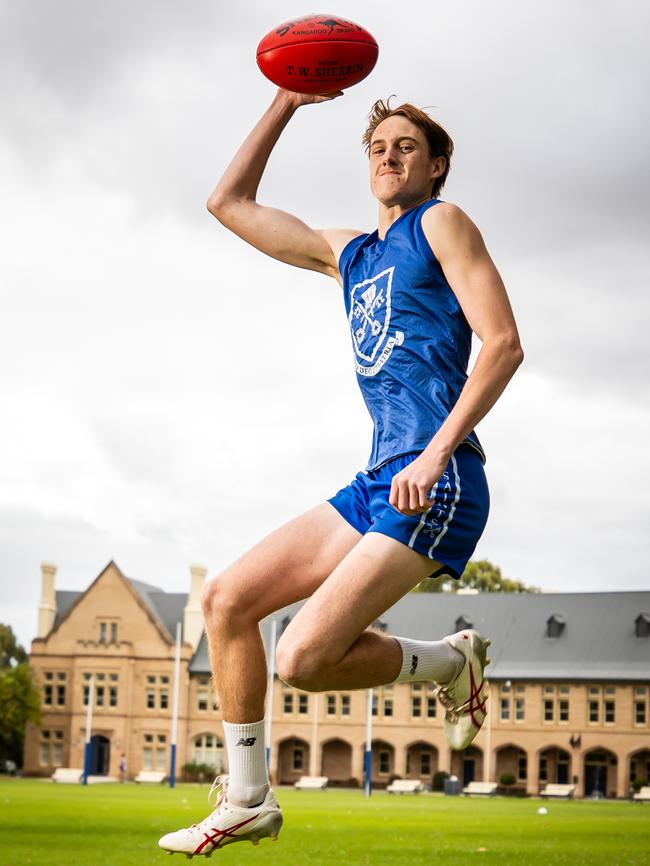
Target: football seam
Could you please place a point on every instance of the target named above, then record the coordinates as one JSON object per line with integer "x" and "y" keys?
{"x": 320, "y": 42}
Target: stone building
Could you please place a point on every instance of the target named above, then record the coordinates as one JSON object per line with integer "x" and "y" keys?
{"x": 569, "y": 690}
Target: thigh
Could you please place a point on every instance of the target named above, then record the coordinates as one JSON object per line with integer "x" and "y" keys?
{"x": 373, "y": 576}
{"x": 290, "y": 563}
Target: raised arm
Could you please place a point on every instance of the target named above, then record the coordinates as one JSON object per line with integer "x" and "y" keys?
{"x": 274, "y": 232}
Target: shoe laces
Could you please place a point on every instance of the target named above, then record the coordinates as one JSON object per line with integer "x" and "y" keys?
{"x": 219, "y": 788}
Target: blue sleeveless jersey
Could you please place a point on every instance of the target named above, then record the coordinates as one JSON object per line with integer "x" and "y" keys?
{"x": 410, "y": 338}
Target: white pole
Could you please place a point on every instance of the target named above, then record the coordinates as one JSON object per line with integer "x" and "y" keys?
{"x": 367, "y": 763}
{"x": 313, "y": 767}
{"x": 269, "y": 692}
{"x": 89, "y": 727}
{"x": 177, "y": 688}
{"x": 488, "y": 744}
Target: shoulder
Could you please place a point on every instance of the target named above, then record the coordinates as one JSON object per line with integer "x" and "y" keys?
{"x": 448, "y": 228}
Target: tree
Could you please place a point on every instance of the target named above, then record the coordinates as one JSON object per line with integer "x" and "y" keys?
{"x": 20, "y": 700}
{"x": 481, "y": 575}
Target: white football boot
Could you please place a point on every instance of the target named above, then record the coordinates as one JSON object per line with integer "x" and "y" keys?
{"x": 465, "y": 698}
{"x": 228, "y": 823}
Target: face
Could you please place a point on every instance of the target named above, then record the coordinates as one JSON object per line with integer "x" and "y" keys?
{"x": 401, "y": 170}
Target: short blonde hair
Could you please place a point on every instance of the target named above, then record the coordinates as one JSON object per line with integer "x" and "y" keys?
{"x": 438, "y": 139}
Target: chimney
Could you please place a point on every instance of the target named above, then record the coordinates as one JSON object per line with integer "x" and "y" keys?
{"x": 193, "y": 615}
{"x": 47, "y": 607}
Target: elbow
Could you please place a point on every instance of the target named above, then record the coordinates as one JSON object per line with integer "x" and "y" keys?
{"x": 510, "y": 349}
{"x": 216, "y": 204}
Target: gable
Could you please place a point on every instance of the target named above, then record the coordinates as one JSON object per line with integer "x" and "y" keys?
{"x": 110, "y": 599}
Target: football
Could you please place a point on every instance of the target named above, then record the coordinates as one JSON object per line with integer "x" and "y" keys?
{"x": 317, "y": 54}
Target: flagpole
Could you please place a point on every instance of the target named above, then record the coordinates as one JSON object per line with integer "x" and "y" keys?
{"x": 269, "y": 692}
{"x": 367, "y": 762}
{"x": 177, "y": 682}
{"x": 89, "y": 727}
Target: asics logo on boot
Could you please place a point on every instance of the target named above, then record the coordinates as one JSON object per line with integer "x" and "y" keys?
{"x": 246, "y": 741}
{"x": 414, "y": 664}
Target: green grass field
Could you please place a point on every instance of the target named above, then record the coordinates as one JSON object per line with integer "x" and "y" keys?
{"x": 118, "y": 825}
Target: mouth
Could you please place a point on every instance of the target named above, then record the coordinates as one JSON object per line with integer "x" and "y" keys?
{"x": 392, "y": 171}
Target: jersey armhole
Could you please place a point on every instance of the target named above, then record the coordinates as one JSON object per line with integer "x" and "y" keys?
{"x": 348, "y": 249}
{"x": 423, "y": 243}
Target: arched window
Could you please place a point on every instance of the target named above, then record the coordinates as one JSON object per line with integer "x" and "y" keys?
{"x": 208, "y": 749}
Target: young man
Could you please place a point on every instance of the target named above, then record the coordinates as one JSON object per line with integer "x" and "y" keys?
{"x": 414, "y": 290}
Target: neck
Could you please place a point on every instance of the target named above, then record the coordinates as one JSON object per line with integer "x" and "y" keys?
{"x": 388, "y": 213}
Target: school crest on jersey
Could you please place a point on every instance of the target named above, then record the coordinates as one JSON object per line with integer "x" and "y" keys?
{"x": 370, "y": 309}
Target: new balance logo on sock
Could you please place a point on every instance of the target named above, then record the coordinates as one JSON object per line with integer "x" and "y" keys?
{"x": 247, "y": 741}
{"x": 414, "y": 664}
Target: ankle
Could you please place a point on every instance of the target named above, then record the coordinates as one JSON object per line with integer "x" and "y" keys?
{"x": 247, "y": 796}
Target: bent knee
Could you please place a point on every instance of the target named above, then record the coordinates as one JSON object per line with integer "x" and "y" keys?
{"x": 222, "y": 599}
{"x": 299, "y": 666}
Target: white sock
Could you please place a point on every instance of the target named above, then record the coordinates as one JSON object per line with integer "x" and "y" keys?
{"x": 428, "y": 660}
{"x": 248, "y": 780}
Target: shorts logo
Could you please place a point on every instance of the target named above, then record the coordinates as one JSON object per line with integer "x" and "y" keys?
{"x": 369, "y": 323}
{"x": 414, "y": 665}
{"x": 247, "y": 741}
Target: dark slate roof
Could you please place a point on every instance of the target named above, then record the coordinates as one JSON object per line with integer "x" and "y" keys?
{"x": 597, "y": 641}
{"x": 65, "y": 598}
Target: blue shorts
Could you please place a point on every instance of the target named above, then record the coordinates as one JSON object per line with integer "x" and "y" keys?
{"x": 447, "y": 533}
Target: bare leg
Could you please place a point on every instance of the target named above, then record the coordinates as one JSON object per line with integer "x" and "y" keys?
{"x": 288, "y": 565}
{"x": 326, "y": 645}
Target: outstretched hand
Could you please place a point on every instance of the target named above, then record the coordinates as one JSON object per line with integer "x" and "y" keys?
{"x": 299, "y": 99}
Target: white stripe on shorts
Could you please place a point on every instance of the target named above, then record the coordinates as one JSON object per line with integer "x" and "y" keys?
{"x": 424, "y": 515}
{"x": 451, "y": 510}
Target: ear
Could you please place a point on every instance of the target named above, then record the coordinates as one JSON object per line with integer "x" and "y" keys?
{"x": 438, "y": 167}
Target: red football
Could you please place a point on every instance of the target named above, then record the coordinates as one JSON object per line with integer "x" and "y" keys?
{"x": 317, "y": 54}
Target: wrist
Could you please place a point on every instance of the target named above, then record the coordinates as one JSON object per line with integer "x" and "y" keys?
{"x": 439, "y": 450}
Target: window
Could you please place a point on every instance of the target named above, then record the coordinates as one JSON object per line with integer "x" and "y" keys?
{"x": 114, "y": 678}
{"x": 594, "y": 690}
{"x": 610, "y": 715}
{"x": 164, "y": 680}
{"x": 161, "y": 752}
{"x": 202, "y": 699}
{"x": 416, "y": 687}
{"x": 505, "y": 709}
{"x": 543, "y": 769}
{"x": 151, "y": 699}
{"x": 563, "y": 690}
{"x": 375, "y": 704}
{"x": 639, "y": 713}
{"x": 640, "y": 690}
{"x": 51, "y": 749}
{"x": 520, "y": 689}
{"x": 549, "y": 710}
{"x": 384, "y": 761}
{"x": 416, "y": 707}
{"x": 594, "y": 715}
{"x": 388, "y": 707}
{"x": 99, "y": 696}
{"x": 164, "y": 699}
{"x": 345, "y": 705}
{"x": 564, "y": 710}
{"x": 100, "y": 677}
{"x": 431, "y": 708}
{"x": 549, "y": 690}
{"x": 610, "y": 690}
{"x": 49, "y": 675}
{"x": 288, "y": 702}
{"x": 208, "y": 749}
{"x": 298, "y": 758}
{"x": 102, "y": 632}
{"x": 331, "y": 705}
{"x": 151, "y": 680}
{"x": 520, "y": 709}
{"x": 522, "y": 767}
{"x": 60, "y": 696}
{"x": 425, "y": 763}
{"x": 86, "y": 695}
{"x": 112, "y": 696}
{"x": 47, "y": 695}
{"x": 303, "y": 705}
{"x": 113, "y": 632}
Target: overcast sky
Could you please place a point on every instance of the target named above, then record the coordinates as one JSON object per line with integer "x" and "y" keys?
{"x": 170, "y": 395}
